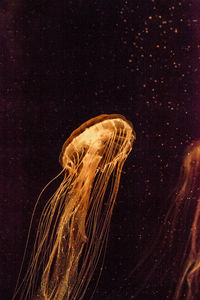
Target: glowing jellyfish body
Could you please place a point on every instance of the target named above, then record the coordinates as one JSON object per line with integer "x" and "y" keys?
{"x": 176, "y": 249}
{"x": 74, "y": 224}
{"x": 187, "y": 207}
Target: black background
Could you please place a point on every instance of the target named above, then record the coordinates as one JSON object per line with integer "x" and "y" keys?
{"x": 64, "y": 62}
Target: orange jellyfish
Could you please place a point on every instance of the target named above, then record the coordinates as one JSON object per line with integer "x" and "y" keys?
{"x": 74, "y": 224}
{"x": 176, "y": 248}
{"x": 187, "y": 211}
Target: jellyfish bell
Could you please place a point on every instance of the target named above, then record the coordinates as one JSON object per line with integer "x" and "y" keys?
{"x": 92, "y": 138}
{"x": 189, "y": 177}
{"x": 192, "y": 155}
{"x": 73, "y": 228}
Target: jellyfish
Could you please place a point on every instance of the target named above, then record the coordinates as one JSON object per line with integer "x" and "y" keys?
{"x": 73, "y": 228}
{"x": 187, "y": 212}
{"x": 173, "y": 257}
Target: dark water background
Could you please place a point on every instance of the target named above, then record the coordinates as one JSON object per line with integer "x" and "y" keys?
{"x": 62, "y": 63}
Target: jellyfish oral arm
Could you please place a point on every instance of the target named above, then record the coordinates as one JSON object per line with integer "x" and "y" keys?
{"x": 71, "y": 234}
